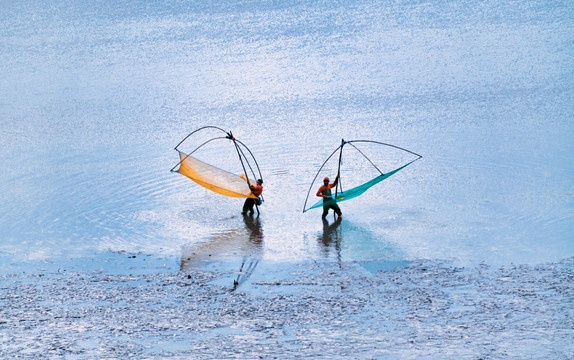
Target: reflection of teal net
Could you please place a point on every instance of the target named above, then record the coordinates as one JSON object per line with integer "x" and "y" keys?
{"x": 358, "y": 190}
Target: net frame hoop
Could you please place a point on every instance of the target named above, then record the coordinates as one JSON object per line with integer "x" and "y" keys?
{"x": 229, "y": 136}
{"x": 318, "y": 172}
{"x": 386, "y": 144}
{"x": 201, "y": 128}
{"x": 340, "y": 148}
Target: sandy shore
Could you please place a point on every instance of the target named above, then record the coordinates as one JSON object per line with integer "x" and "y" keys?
{"x": 325, "y": 310}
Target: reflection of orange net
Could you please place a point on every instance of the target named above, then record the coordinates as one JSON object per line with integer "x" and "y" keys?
{"x": 214, "y": 179}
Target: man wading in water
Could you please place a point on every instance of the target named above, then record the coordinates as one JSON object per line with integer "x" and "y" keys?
{"x": 328, "y": 201}
{"x": 249, "y": 202}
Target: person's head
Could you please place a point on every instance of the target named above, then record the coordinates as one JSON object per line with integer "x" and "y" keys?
{"x": 326, "y": 180}
{"x": 259, "y": 182}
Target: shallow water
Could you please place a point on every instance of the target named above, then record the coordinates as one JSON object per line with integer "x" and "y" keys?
{"x": 105, "y": 252}
{"x": 95, "y": 96}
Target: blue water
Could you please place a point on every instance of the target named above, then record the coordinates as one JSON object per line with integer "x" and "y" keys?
{"x": 94, "y": 96}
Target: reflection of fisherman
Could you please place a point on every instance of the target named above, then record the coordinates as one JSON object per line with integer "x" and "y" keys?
{"x": 250, "y": 202}
{"x": 330, "y": 235}
{"x": 255, "y": 230}
{"x": 328, "y": 201}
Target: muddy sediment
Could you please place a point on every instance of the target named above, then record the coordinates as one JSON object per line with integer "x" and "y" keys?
{"x": 422, "y": 309}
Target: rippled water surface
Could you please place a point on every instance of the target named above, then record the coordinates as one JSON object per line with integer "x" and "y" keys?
{"x": 467, "y": 253}
{"x": 95, "y": 95}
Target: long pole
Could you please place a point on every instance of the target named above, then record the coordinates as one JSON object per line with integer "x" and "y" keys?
{"x": 244, "y": 170}
{"x": 339, "y": 171}
{"x": 250, "y": 168}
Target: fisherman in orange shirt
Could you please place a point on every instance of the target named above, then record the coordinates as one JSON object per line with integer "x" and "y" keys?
{"x": 249, "y": 202}
{"x": 328, "y": 201}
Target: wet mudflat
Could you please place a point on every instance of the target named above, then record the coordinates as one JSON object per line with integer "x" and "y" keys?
{"x": 321, "y": 309}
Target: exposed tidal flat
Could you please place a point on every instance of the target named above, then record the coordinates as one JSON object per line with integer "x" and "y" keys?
{"x": 323, "y": 309}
